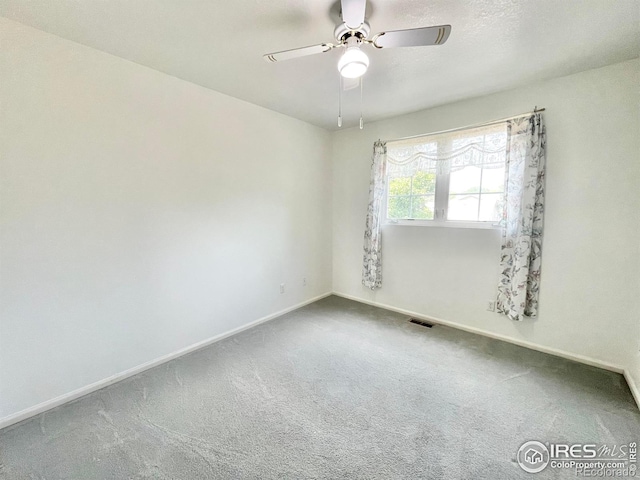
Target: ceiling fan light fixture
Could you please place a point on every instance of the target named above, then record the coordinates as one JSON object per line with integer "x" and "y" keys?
{"x": 353, "y": 63}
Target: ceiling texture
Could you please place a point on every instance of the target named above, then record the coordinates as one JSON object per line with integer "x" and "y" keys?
{"x": 494, "y": 45}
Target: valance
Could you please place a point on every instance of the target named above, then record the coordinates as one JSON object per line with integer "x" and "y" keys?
{"x": 444, "y": 153}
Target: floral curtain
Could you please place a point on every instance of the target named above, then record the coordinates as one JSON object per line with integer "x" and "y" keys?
{"x": 372, "y": 262}
{"x": 519, "y": 282}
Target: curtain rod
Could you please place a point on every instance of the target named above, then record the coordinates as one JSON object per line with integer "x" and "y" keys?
{"x": 476, "y": 125}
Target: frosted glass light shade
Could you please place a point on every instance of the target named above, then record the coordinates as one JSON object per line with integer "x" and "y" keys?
{"x": 353, "y": 63}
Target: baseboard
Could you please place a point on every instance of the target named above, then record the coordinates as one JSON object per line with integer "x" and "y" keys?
{"x": 68, "y": 397}
{"x": 552, "y": 351}
{"x": 633, "y": 387}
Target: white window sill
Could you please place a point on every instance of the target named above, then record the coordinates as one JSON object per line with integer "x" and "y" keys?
{"x": 440, "y": 223}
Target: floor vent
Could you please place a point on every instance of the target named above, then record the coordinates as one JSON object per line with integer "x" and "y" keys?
{"x": 421, "y": 322}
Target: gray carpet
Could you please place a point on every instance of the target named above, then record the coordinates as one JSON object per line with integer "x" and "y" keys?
{"x": 333, "y": 390}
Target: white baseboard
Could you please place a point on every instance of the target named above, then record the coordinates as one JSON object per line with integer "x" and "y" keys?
{"x": 632, "y": 386}
{"x": 80, "y": 392}
{"x": 68, "y": 397}
{"x": 533, "y": 346}
{"x": 552, "y": 351}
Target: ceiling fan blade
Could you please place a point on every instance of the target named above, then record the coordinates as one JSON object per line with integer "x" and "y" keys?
{"x": 297, "y": 52}
{"x": 414, "y": 37}
{"x": 353, "y": 12}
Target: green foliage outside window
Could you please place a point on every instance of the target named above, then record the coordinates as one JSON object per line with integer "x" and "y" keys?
{"x": 412, "y": 197}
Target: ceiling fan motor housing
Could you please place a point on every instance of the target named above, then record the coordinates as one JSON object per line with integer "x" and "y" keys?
{"x": 342, "y": 32}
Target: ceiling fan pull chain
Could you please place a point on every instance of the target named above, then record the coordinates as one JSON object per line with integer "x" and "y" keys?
{"x": 340, "y": 102}
{"x": 361, "y": 121}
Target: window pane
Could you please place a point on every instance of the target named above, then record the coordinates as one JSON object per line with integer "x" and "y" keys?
{"x": 463, "y": 207}
{"x": 490, "y": 207}
{"x": 424, "y": 183}
{"x": 466, "y": 180}
{"x": 400, "y": 186}
{"x": 422, "y": 207}
{"x": 493, "y": 180}
{"x": 399, "y": 207}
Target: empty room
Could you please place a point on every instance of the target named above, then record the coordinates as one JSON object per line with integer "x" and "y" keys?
{"x": 319, "y": 239}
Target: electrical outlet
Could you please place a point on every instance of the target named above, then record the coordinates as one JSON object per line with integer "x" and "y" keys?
{"x": 491, "y": 306}
{"x": 282, "y": 288}
{"x": 304, "y": 281}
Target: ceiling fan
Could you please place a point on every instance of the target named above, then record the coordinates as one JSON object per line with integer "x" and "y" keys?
{"x": 354, "y": 31}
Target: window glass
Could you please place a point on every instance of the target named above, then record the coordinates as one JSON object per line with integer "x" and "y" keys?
{"x": 460, "y": 175}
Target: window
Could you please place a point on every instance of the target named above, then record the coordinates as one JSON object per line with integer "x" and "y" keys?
{"x": 454, "y": 179}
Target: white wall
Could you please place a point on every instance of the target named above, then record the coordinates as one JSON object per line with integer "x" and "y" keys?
{"x": 633, "y": 377}
{"x": 588, "y": 299}
{"x": 633, "y": 369}
{"x": 140, "y": 214}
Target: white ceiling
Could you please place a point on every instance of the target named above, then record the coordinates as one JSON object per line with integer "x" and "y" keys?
{"x": 494, "y": 45}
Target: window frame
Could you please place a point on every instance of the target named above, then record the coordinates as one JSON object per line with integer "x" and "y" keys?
{"x": 441, "y": 208}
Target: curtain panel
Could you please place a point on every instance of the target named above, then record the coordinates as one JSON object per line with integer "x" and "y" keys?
{"x": 372, "y": 261}
{"x": 522, "y": 220}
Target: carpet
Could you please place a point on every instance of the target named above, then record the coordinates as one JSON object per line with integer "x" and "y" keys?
{"x": 334, "y": 390}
